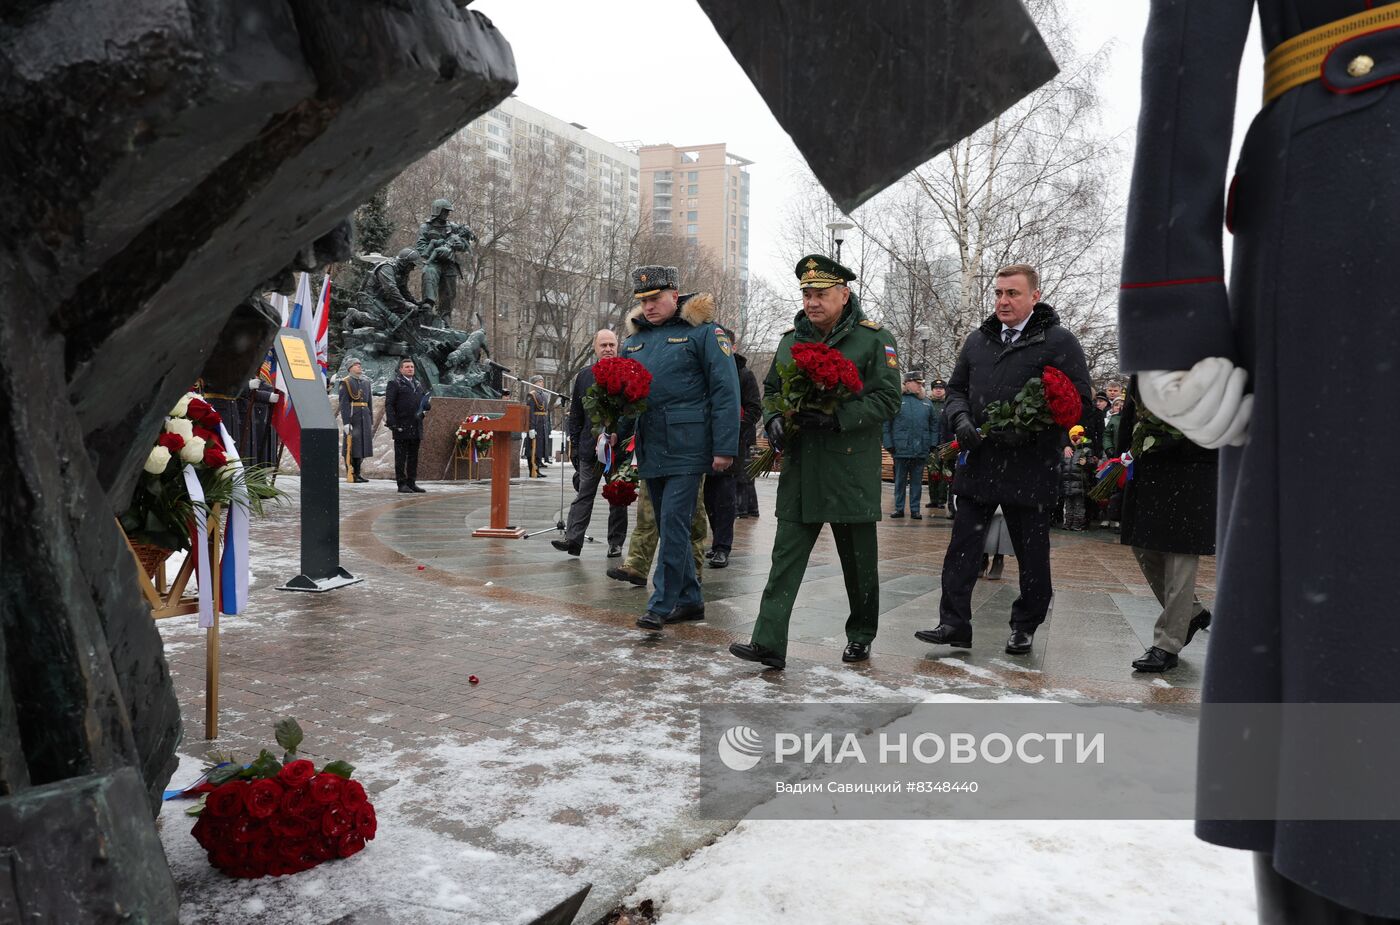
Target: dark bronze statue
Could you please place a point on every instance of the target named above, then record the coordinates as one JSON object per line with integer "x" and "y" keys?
{"x": 439, "y": 243}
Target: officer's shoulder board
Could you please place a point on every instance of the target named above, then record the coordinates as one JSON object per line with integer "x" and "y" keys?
{"x": 867, "y": 323}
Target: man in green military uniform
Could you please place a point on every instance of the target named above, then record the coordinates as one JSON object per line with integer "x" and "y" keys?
{"x": 831, "y": 467}
{"x": 690, "y": 425}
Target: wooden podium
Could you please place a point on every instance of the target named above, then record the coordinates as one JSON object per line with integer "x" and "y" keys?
{"x": 513, "y": 421}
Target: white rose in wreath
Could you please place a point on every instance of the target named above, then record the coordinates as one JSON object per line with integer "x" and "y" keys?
{"x": 182, "y": 406}
{"x": 158, "y": 460}
{"x": 184, "y": 427}
{"x": 193, "y": 450}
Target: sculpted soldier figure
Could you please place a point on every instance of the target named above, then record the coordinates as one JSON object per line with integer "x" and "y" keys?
{"x": 439, "y": 242}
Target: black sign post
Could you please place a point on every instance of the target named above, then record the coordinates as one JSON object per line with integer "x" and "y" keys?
{"x": 320, "y": 482}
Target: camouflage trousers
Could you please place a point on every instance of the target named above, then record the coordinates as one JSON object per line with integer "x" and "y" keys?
{"x": 641, "y": 548}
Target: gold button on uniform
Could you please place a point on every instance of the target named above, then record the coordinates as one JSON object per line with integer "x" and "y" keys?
{"x": 1361, "y": 65}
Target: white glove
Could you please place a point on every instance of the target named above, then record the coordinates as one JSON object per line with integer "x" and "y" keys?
{"x": 1206, "y": 403}
{"x": 254, "y": 383}
{"x": 532, "y": 435}
{"x": 601, "y": 446}
{"x": 272, "y": 399}
{"x": 348, "y": 429}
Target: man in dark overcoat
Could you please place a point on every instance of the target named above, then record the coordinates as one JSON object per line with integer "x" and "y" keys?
{"x": 721, "y": 491}
{"x": 751, "y": 409}
{"x": 1307, "y": 327}
{"x": 264, "y": 443}
{"x": 1169, "y": 521}
{"x": 405, "y": 402}
{"x": 356, "y": 418}
{"x": 583, "y": 448}
{"x": 1017, "y": 470}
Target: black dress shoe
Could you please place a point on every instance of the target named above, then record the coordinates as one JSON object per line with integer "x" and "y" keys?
{"x": 752, "y": 652}
{"x": 685, "y": 612}
{"x": 1019, "y": 643}
{"x": 709, "y": 554}
{"x": 1200, "y": 621}
{"x": 623, "y": 573}
{"x": 562, "y": 546}
{"x": 916, "y": 516}
{"x": 897, "y": 515}
{"x": 1155, "y": 659}
{"x": 856, "y": 652}
{"x": 945, "y": 635}
{"x": 720, "y": 559}
{"x": 405, "y": 490}
{"x": 413, "y": 486}
{"x": 998, "y": 563}
{"x": 614, "y": 552}
{"x": 650, "y": 621}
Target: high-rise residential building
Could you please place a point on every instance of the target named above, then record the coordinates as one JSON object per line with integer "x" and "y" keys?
{"x": 702, "y": 193}
{"x": 537, "y": 312}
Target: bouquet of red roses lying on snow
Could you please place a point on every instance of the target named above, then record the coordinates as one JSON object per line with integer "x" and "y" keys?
{"x": 275, "y": 817}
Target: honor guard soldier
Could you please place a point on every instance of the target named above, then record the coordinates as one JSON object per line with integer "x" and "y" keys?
{"x": 831, "y": 469}
{"x": 690, "y": 426}
{"x": 357, "y": 419}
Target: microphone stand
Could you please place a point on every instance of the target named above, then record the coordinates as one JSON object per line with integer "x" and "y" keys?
{"x": 559, "y": 525}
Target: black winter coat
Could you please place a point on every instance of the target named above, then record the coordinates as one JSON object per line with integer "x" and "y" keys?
{"x": 750, "y": 405}
{"x": 405, "y": 402}
{"x": 578, "y": 429}
{"x": 988, "y": 371}
{"x": 1169, "y": 503}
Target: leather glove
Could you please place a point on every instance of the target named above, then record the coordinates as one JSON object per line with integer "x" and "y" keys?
{"x": 774, "y": 429}
{"x": 815, "y": 420}
{"x": 968, "y": 437}
{"x": 1207, "y": 403}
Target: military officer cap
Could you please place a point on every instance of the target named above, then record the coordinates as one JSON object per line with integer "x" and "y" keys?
{"x": 648, "y": 281}
{"x": 353, "y": 361}
{"x": 938, "y": 384}
{"x": 914, "y": 375}
{"x": 818, "y": 271}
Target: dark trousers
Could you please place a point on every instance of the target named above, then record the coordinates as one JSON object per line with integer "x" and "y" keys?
{"x": 673, "y": 498}
{"x": 1029, "y": 528}
{"x": 858, "y": 550}
{"x": 908, "y": 476}
{"x": 746, "y": 496}
{"x": 721, "y": 502}
{"x": 406, "y": 460}
{"x": 590, "y": 473}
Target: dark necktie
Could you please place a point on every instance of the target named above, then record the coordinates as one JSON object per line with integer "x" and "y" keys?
{"x": 1008, "y": 336}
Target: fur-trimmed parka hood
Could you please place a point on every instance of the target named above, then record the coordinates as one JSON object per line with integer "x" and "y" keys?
{"x": 693, "y": 308}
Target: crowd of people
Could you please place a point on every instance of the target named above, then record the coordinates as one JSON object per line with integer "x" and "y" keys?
{"x": 1004, "y": 489}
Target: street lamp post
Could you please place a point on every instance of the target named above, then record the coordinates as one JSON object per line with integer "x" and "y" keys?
{"x": 838, "y": 231}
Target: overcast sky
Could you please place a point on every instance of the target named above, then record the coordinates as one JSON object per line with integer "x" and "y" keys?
{"x": 655, "y": 71}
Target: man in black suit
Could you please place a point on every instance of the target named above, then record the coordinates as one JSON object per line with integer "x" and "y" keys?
{"x": 405, "y": 403}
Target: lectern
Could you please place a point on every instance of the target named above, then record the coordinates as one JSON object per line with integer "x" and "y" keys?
{"x": 512, "y": 421}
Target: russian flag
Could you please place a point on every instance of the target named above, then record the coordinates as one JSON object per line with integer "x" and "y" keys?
{"x": 321, "y": 326}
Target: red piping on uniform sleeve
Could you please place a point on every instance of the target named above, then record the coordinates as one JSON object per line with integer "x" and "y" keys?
{"x": 1174, "y": 282}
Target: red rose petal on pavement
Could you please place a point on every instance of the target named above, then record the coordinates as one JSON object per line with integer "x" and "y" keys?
{"x": 473, "y": 679}
{"x": 421, "y": 567}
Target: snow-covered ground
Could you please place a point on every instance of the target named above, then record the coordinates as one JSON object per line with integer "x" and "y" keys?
{"x": 964, "y": 872}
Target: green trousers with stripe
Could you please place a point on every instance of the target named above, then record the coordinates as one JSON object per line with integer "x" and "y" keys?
{"x": 792, "y": 548}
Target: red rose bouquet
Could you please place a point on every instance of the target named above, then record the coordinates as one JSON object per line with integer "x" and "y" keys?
{"x": 1112, "y": 475}
{"x": 621, "y": 489}
{"x": 1048, "y": 400}
{"x": 271, "y": 818}
{"x": 819, "y": 378}
{"x": 619, "y": 390}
